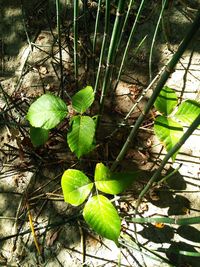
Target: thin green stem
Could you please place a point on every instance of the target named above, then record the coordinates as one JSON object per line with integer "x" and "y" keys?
{"x": 178, "y": 145}
{"x": 166, "y": 220}
{"x": 164, "y": 76}
{"x": 95, "y": 36}
{"x": 59, "y": 45}
{"x": 154, "y": 38}
{"x": 129, "y": 41}
{"x": 111, "y": 54}
{"x": 105, "y": 37}
{"x": 76, "y": 41}
{"x": 164, "y": 179}
{"x": 125, "y": 22}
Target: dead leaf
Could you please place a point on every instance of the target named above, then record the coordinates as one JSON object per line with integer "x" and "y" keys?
{"x": 51, "y": 237}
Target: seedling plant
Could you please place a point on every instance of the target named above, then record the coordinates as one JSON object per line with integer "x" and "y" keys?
{"x": 48, "y": 111}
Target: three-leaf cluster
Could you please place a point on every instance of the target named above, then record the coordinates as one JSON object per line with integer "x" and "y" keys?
{"x": 99, "y": 212}
{"x": 48, "y": 111}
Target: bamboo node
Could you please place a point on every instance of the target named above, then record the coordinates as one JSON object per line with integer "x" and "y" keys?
{"x": 118, "y": 14}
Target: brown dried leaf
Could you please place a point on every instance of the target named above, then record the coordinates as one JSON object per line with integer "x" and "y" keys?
{"x": 51, "y": 237}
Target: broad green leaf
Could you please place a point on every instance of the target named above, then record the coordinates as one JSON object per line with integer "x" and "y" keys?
{"x": 47, "y": 112}
{"x": 82, "y": 100}
{"x": 166, "y": 101}
{"x": 102, "y": 216}
{"x": 76, "y": 186}
{"x": 188, "y": 111}
{"x": 112, "y": 183}
{"x": 168, "y": 132}
{"x": 81, "y": 136}
{"x": 39, "y": 136}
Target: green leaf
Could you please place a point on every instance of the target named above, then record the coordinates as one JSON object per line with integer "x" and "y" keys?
{"x": 102, "y": 217}
{"x": 112, "y": 183}
{"x": 39, "y": 136}
{"x": 47, "y": 112}
{"x": 166, "y": 101}
{"x": 76, "y": 186}
{"x": 82, "y": 100}
{"x": 188, "y": 111}
{"x": 168, "y": 132}
{"x": 80, "y": 138}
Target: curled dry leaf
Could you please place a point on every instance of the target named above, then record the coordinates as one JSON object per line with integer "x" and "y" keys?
{"x": 51, "y": 237}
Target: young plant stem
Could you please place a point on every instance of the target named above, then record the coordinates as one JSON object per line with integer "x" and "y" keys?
{"x": 95, "y": 38}
{"x": 103, "y": 46}
{"x": 178, "y": 145}
{"x": 76, "y": 2}
{"x": 164, "y": 76}
{"x": 111, "y": 55}
{"x": 129, "y": 42}
{"x": 125, "y": 22}
{"x": 59, "y": 45}
{"x": 154, "y": 38}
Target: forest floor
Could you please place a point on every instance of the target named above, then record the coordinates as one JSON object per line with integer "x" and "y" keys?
{"x": 30, "y": 178}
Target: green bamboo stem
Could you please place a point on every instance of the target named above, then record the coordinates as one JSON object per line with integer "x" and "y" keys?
{"x": 96, "y": 27}
{"x": 76, "y": 41}
{"x": 154, "y": 37}
{"x": 175, "y": 148}
{"x": 164, "y": 179}
{"x": 129, "y": 41}
{"x": 125, "y": 23}
{"x": 103, "y": 46}
{"x": 95, "y": 38}
{"x": 59, "y": 45}
{"x": 164, "y": 76}
{"x": 111, "y": 53}
{"x": 166, "y": 220}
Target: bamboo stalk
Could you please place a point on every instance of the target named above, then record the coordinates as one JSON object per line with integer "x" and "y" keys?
{"x": 129, "y": 41}
{"x": 111, "y": 54}
{"x": 59, "y": 45}
{"x": 125, "y": 22}
{"x": 95, "y": 38}
{"x": 164, "y": 76}
{"x": 175, "y": 148}
{"x": 166, "y": 220}
{"x": 103, "y": 46}
{"x": 75, "y": 26}
{"x": 154, "y": 38}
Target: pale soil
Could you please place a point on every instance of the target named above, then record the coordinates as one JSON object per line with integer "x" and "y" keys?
{"x": 27, "y": 73}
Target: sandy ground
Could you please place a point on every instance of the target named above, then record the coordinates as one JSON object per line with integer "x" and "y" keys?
{"x": 28, "y": 179}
